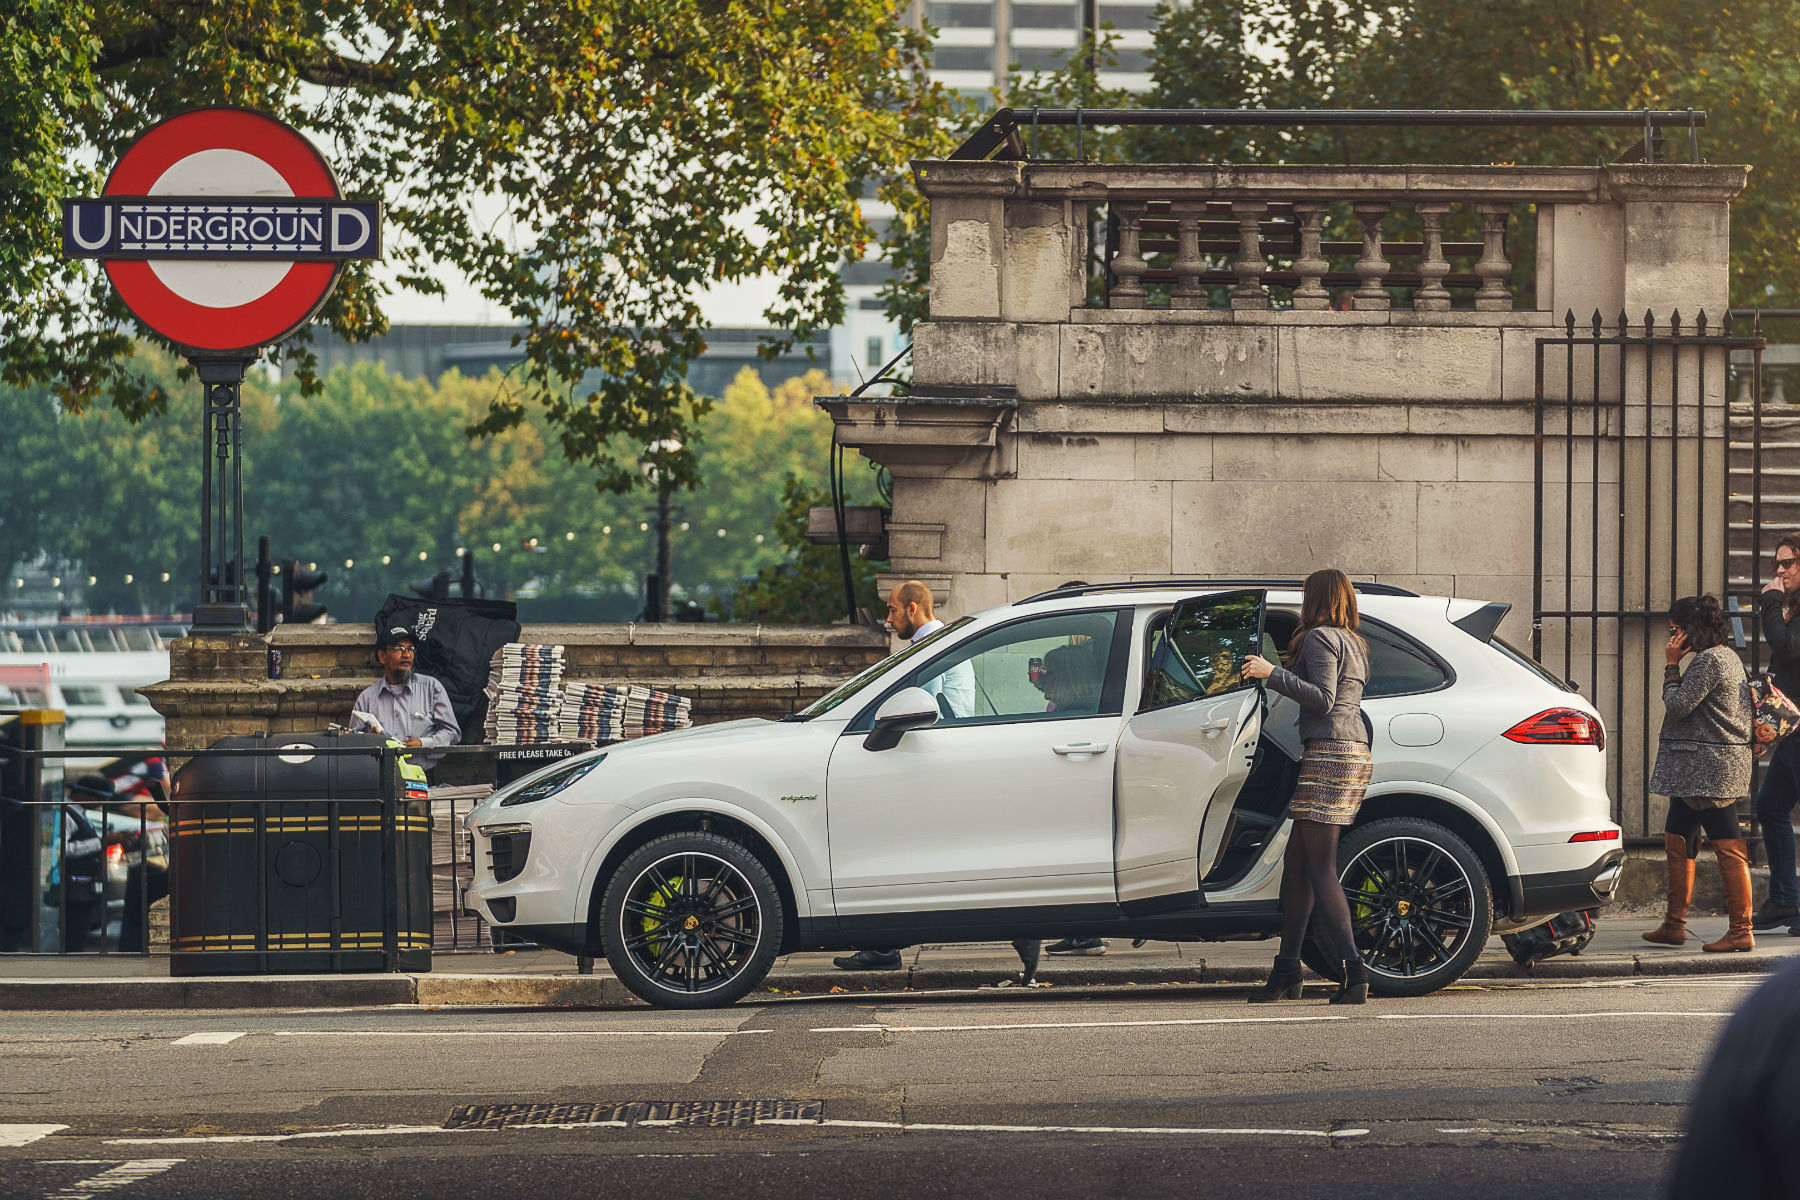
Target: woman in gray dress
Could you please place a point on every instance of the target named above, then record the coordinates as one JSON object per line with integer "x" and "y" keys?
{"x": 1703, "y": 767}
{"x": 1327, "y": 666}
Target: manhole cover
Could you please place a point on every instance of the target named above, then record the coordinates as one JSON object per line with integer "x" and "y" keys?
{"x": 696, "y": 1114}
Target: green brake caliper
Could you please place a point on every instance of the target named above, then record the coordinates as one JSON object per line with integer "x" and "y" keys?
{"x": 660, "y": 903}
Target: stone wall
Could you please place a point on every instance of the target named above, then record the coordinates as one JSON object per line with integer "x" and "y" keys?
{"x": 1157, "y": 431}
{"x": 220, "y": 685}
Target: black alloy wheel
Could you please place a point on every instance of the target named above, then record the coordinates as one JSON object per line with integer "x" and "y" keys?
{"x": 1420, "y": 906}
{"x": 691, "y": 920}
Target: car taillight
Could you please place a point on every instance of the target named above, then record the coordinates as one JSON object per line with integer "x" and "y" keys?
{"x": 1559, "y": 727}
{"x": 115, "y": 853}
{"x": 1597, "y": 835}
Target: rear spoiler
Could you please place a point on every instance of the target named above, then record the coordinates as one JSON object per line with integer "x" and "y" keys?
{"x": 1482, "y": 622}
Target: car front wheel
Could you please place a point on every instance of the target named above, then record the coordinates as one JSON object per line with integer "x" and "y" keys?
{"x": 692, "y": 920}
{"x": 1420, "y": 906}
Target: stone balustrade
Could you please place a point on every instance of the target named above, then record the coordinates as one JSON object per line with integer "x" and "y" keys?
{"x": 1018, "y": 240}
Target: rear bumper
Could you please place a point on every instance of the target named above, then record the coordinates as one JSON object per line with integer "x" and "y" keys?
{"x": 1547, "y": 893}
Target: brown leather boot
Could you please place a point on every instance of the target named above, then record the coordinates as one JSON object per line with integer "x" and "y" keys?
{"x": 1734, "y": 866}
{"x": 1673, "y": 930}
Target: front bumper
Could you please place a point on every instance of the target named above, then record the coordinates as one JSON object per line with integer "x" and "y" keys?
{"x": 1541, "y": 895}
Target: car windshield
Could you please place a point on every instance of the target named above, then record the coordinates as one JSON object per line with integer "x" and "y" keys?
{"x": 831, "y": 700}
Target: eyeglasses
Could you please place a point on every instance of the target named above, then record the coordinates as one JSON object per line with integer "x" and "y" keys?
{"x": 1786, "y": 564}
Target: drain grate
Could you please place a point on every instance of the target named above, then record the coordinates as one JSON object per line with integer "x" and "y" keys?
{"x": 694, "y": 1114}
{"x": 730, "y": 1114}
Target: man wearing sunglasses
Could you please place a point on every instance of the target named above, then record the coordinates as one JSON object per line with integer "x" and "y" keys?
{"x": 1780, "y": 621}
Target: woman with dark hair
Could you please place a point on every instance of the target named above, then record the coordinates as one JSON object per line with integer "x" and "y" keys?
{"x": 1327, "y": 664}
{"x": 1779, "y": 617}
{"x": 1703, "y": 767}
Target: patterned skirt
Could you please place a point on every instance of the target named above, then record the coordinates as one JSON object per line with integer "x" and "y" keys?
{"x": 1333, "y": 777}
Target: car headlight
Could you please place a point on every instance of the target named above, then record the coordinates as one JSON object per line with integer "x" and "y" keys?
{"x": 542, "y": 787}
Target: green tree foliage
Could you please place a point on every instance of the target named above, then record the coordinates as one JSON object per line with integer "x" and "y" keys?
{"x": 1737, "y": 63}
{"x": 371, "y": 465}
{"x": 641, "y": 150}
{"x": 808, "y": 587}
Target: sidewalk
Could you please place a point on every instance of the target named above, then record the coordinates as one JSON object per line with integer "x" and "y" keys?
{"x": 545, "y": 978}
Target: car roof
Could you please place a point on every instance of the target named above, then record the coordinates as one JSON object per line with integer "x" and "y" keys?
{"x": 1152, "y": 593}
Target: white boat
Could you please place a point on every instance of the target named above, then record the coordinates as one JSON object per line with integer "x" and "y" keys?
{"x": 90, "y": 669}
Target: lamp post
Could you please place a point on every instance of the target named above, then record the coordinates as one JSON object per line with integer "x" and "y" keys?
{"x": 656, "y": 606}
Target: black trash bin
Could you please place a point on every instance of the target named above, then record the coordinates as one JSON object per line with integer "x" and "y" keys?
{"x": 277, "y": 861}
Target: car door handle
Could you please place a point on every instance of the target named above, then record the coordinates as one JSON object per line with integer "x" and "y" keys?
{"x": 1082, "y": 748}
{"x": 1215, "y": 728}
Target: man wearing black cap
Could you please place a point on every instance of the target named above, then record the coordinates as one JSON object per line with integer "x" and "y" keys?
{"x": 412, "y": 709}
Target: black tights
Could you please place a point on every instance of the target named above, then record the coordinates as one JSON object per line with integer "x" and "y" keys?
{"x": 1309, "y": 880}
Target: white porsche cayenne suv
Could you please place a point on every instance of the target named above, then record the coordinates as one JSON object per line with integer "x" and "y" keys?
{"x": 1088, "y": 762}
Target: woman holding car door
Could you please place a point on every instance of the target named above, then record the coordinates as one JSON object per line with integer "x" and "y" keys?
{"x": 1326, "y": 666}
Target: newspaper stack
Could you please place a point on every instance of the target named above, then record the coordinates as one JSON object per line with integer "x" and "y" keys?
{"x": 524, "y": 693}
{"x": 662, "y": 712}
{"x": 600, "y": 712}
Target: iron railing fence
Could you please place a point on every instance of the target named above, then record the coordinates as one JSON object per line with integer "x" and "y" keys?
{"x": 1633, "y": 510}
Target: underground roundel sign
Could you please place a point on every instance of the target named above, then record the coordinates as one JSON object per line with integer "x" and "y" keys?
{"x": 222, "y": 229}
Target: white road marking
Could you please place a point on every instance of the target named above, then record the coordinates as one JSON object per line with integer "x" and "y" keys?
{"x": 523, "y": 1033}
{"x": 895, "y": 1126}
{"x": 1076, "y": 1024}
{"x": 214, "y": 1139}
{"x": 940, "y": 1127}
{"x": 1586, "y": 1131}
{"x": 124, "y": 1175}
{"x": 1445, "y": 1017}
{"x": 24, "y": 1135}
{"x": 206, "y": 1039}
{"x": 1560, "y": 1016}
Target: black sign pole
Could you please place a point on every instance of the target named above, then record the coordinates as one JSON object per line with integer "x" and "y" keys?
{"x": 222, "y": 607}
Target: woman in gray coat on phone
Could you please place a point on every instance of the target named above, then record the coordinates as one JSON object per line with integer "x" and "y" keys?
{"x": 1703, "y": 767}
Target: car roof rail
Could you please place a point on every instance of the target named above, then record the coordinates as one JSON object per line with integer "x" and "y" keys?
{"x": 1157, "y": 585}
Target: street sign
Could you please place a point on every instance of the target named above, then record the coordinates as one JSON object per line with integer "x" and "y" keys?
{"x": 222, "y": 229}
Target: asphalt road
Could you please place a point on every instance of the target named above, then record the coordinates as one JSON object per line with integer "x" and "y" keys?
{"x": 1506, "y": 1090}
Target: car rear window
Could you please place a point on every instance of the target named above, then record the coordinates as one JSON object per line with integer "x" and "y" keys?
{"x": 1529, "y": 663}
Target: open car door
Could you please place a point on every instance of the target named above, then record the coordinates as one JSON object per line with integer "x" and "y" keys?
{"x": 1188, "y": 750}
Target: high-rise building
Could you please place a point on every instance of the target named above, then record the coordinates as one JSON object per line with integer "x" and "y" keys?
{"x": 977, "y": 43}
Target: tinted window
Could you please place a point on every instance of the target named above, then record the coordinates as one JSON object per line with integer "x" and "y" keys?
{"x": 1048, "y": 666}
{"x": 83, "y": 696}
{"x": 1202, "y": 648}
{"x": 1398, "y": 665}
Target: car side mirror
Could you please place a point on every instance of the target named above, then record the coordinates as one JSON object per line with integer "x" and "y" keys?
{"x": 908, "y": 708}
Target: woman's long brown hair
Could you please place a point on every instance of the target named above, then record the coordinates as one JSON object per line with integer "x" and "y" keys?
{"x": 1326, "y": 599}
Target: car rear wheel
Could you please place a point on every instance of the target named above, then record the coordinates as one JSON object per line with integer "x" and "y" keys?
{"x": 1420, "y": 906}
{"x": 692, "y": 920}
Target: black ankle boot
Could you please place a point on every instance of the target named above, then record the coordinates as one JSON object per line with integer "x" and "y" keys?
{"x": 1283, "y": 982}
{"x": 1355, "y": 988}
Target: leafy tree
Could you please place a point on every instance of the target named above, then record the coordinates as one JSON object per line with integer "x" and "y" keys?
{"x": 642, "y": 149}
{"x": 808, "y": 588}
{"x": 1526, "y": 54}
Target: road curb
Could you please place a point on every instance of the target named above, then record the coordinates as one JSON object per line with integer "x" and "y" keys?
{"x": 604, "y": 991}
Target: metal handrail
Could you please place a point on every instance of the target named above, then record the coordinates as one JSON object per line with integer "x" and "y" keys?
{"x": 1002, "y": 129}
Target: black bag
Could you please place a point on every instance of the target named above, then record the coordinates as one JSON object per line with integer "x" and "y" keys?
{"x": 456, "y": 639}
{"x": 1565, "y": 933}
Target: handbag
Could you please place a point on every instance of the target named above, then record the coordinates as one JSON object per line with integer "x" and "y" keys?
{"x": 1772, "y": 715}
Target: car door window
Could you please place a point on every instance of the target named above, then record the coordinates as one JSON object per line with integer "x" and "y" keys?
{"x": 1046, "y": 667}
{"x": 1202, "y": 649}
{"x": 1399, "y": 666}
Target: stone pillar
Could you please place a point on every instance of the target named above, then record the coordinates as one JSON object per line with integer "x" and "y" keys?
{"x": 968, "y": 237}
